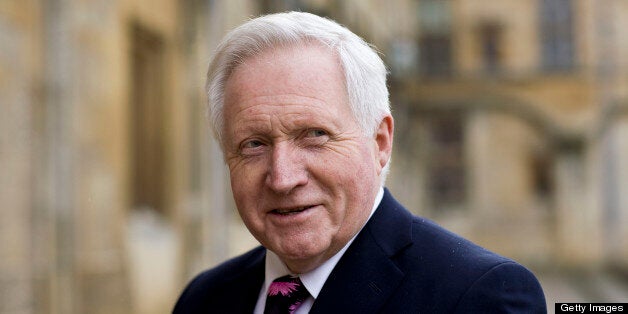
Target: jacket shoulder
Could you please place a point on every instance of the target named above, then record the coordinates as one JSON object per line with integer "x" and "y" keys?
{"x": 465, "y": 277}
{"x": 446, "y": 245}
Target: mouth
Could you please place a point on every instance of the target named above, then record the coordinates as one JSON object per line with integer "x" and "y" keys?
{"x": 290, "y": 211}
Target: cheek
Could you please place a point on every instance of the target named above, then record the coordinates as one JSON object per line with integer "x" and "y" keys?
{"x": 243, "y": 186}
{"x": 361, "y": 166}
{"x": 351, "y": 171}
{"x": 246, "y": 174}
{"x": 245, "y": 198}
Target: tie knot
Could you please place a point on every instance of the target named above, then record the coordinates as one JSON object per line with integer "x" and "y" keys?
{"x": 285, "y": 295}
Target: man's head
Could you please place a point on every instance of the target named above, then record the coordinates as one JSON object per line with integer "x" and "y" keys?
{"x": 300, "y": 107}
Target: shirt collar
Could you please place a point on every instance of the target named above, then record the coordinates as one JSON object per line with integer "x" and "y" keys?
{"x": 314, "y": 279}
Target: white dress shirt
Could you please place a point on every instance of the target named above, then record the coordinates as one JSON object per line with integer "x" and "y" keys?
{"x": 312, "y": 280}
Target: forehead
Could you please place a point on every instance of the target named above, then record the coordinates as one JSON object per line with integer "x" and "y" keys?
{"x": 309, "y": 69}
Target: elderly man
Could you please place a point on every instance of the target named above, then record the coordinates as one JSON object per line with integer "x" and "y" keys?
{"x": 300, "y": 107}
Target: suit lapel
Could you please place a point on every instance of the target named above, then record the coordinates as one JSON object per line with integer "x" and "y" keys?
{"x": 365, "y": 277}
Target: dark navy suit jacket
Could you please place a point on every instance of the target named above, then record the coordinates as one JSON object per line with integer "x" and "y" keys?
{"x": 398, "y": 263}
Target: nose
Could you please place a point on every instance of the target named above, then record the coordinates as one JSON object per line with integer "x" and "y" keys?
{"x": 287, "y": 169}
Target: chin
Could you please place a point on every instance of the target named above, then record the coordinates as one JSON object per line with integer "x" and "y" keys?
{"x": 299, "y": 252}
{"x": 304, "y": 256}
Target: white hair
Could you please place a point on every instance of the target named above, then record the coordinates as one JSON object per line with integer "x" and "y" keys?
{"x": 364, "y": 71}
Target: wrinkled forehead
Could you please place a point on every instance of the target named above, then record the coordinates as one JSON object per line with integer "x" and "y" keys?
{"x": 308, "y": 69}
{"x": 287, "y": 80}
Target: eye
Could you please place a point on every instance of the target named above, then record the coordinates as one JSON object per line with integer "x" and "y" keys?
{"x": 252, "y": 144}
{"x": 251, "y": 147}
{"x": 316, "y": 133}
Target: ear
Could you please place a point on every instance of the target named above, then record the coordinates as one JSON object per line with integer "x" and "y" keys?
{"x": 384, "y": 141}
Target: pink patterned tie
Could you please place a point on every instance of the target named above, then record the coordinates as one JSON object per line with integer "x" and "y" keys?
{"x": 285, "y": 295}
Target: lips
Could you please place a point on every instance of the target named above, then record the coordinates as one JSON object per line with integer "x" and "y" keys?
{"x": 290, "y": 211}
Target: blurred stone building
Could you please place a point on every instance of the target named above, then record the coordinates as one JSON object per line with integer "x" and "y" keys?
{"x": 511, "y": 129}
{"x": 511, "y": 124}
{"x": 108, "y": 173}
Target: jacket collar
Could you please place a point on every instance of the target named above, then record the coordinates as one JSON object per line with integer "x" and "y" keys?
{"x": 365, "y": 276}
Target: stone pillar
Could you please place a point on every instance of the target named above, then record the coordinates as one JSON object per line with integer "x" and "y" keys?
{"x": 577, "y": 220}
{"x": 18, "y": 80}
{"x": 622, "y": 220}
{"x": 58, "y": 158}
{"x": 615, "y": 199}
{"x": 497, "y": 152}
{"x": 478, "y": 145}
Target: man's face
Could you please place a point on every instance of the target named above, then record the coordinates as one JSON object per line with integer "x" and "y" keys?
{"x": 304, "y": 175}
